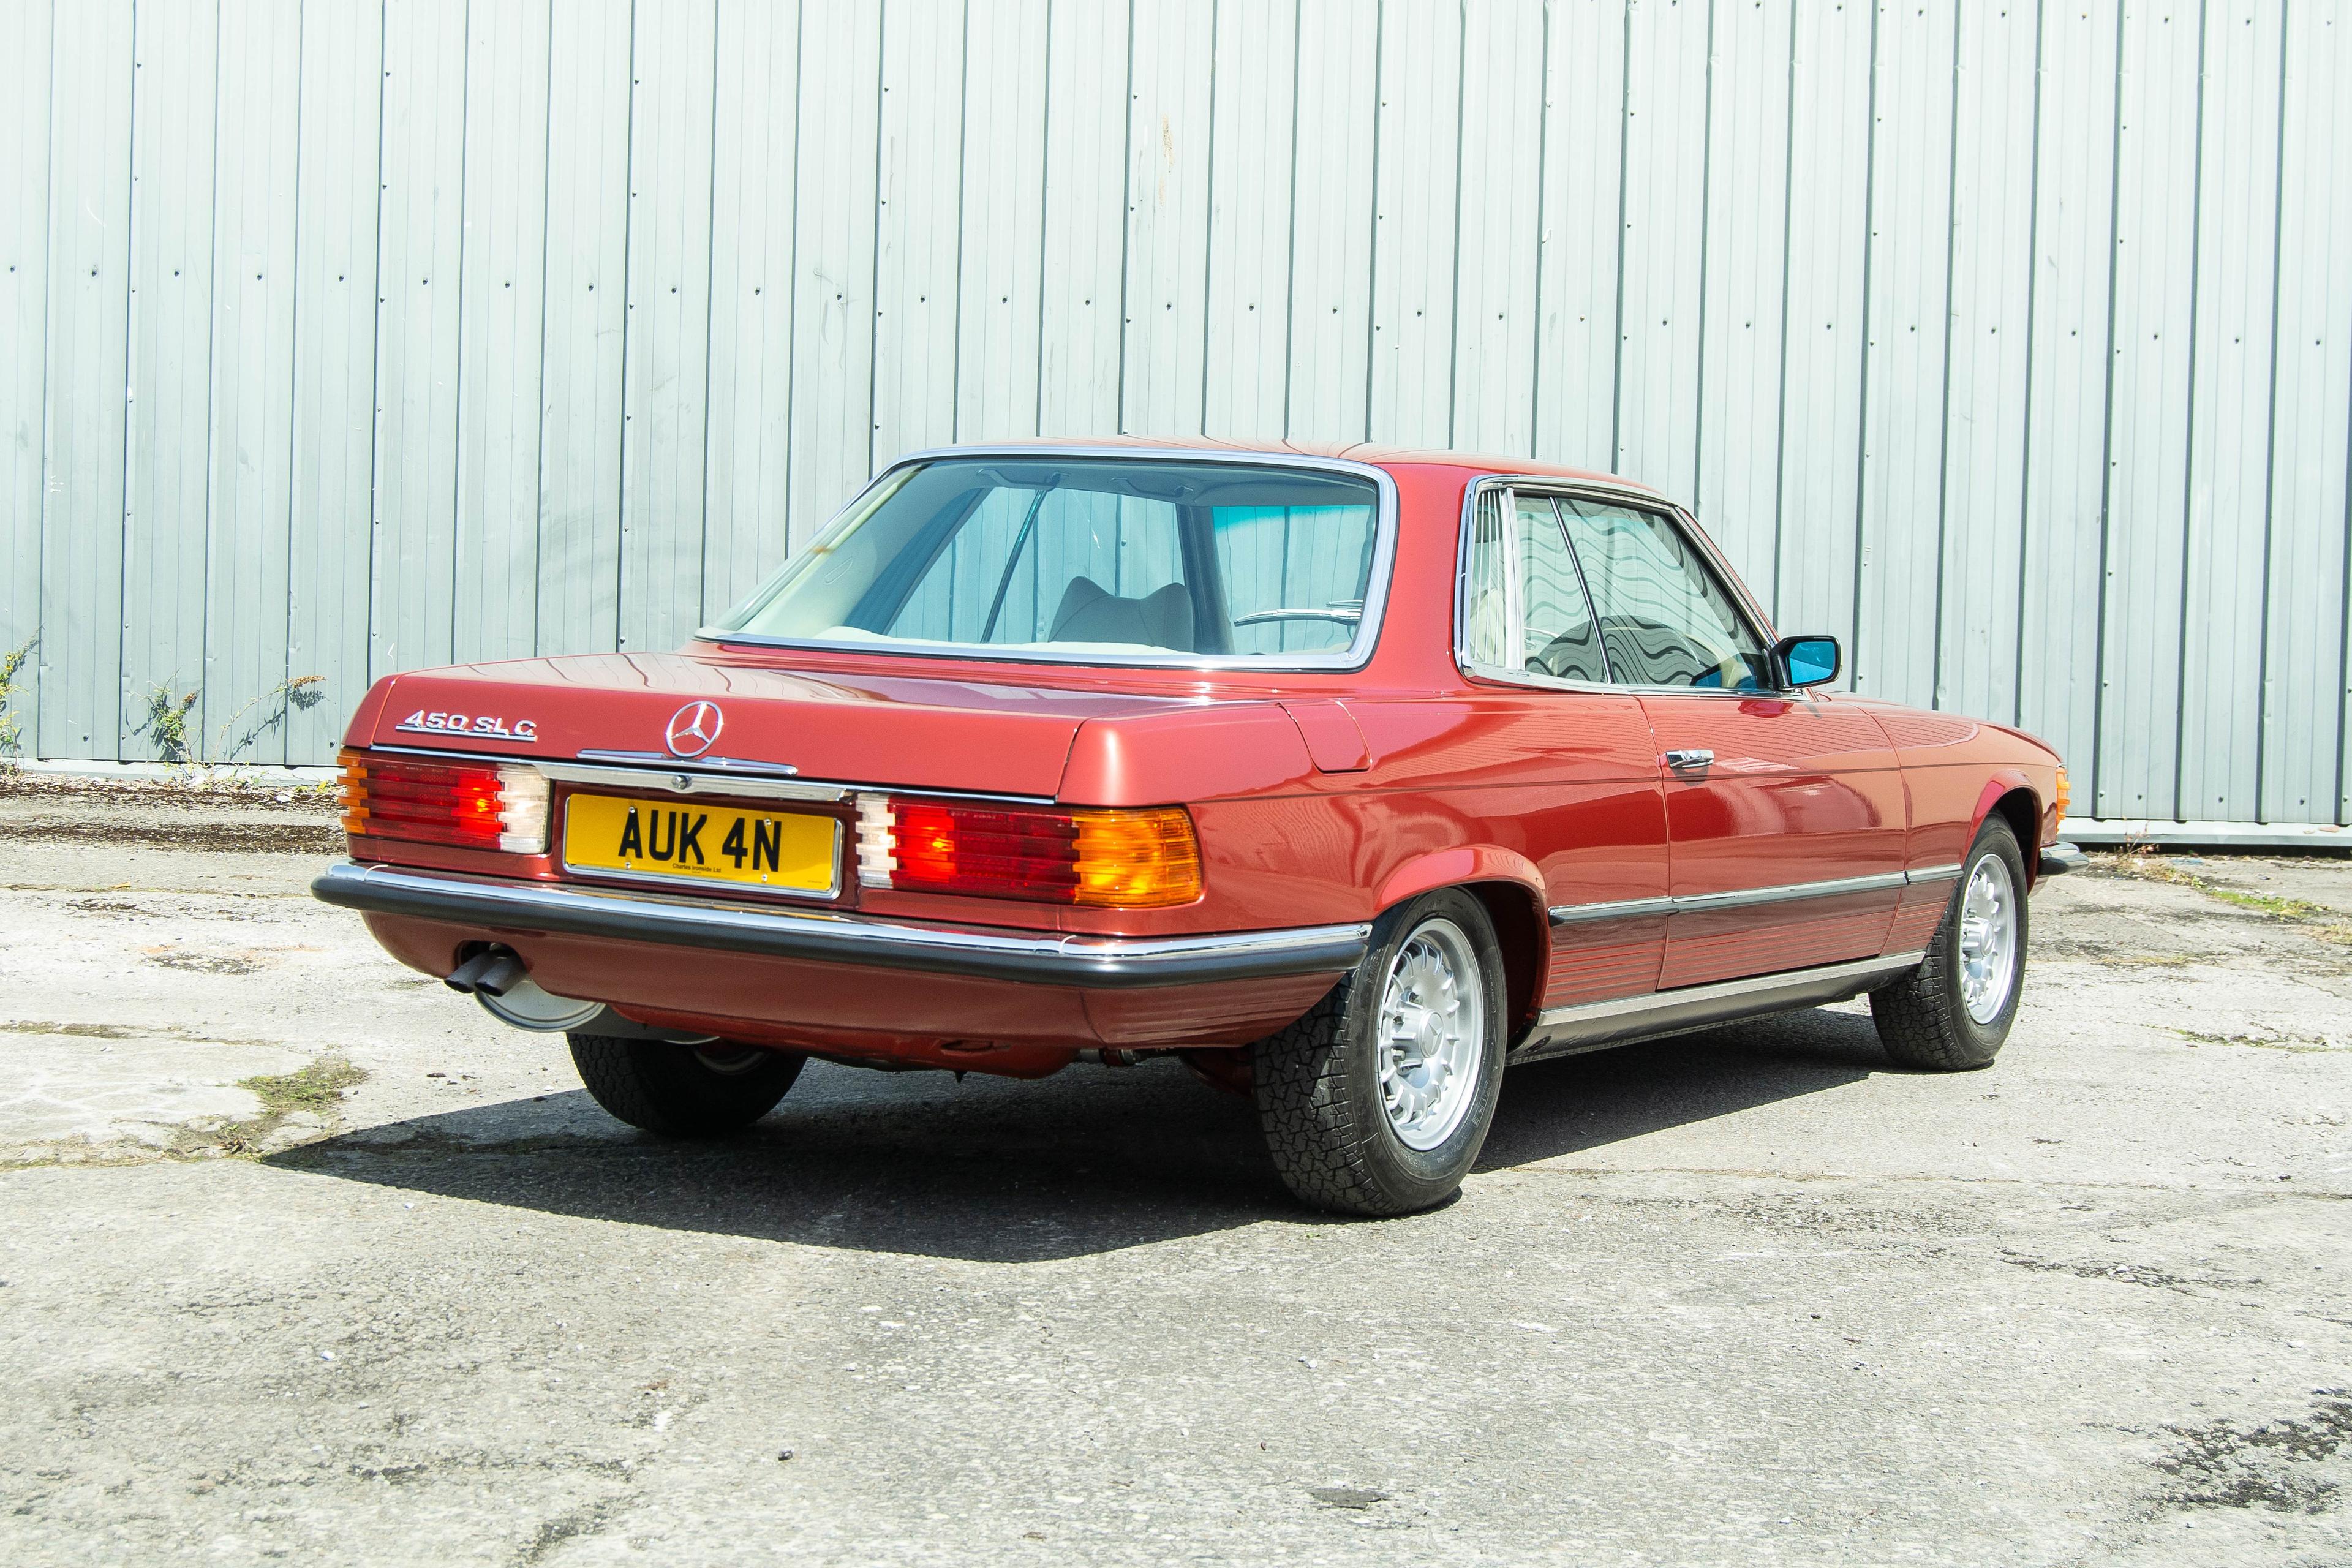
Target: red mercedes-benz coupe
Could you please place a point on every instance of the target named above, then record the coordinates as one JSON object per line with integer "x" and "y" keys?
{"x": 1350, "y": 776}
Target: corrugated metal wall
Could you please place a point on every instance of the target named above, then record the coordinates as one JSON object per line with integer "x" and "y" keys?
{"x": 2013, "y": 342}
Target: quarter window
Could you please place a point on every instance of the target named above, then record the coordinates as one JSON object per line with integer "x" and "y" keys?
{"x": 1665, "y": 619}
{"x": 1526, "y": 612}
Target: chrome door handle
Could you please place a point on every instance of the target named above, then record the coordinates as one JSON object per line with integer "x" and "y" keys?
{"x": 1689, "y": 761}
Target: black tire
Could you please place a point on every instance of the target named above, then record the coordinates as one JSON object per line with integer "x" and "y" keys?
{"x": 683, "y": 1091}
{"x": 1317, "y": 1084}
{"x": 1924, "y": 1019}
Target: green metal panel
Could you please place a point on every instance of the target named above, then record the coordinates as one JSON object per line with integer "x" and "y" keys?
{"x": 247, "y": 701}
{"x": 1000, "y": 303}
{"x": 25, "y": 68}
{"x": 578, "y": 593}
{"x": 501, "y": 314}
{"x": 748, "y": 476}
{"x": 1820, "y": 419}
{"x": 1413, "y": 243}
{"x": 1087, "y": 82}
{"x": 2303, "y": 692}
{"x": 832, "y": 257}
{"x": 420, "y": 253}
{"x": 2064, "y": 520}
{"x": 665, "y": 378}
{"x": 1502, "y": 171}
{"x": 86, "y": 348}
{"x": 1331, "y": 230}
{"x": 1908, "y": 300}
{"x": 918, "y": 235}
{"x": 2155, "y": 305}
{"x": 1167, "y": 173}
{"x": 1737, "y": 492}
{"x": 333, "y": 286}
{"x": 1985, "y": 431}
{"x": 167, "y": 530}
{"x": 2221, "y": 642}
{"x": 347, "y": 338}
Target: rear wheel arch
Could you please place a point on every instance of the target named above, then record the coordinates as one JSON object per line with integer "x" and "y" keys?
{"x": 1523, "y": 926}
{"x": 1510, "y": 890}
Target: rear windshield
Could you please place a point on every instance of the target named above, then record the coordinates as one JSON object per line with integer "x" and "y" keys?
{"x": 1103, "y": 560}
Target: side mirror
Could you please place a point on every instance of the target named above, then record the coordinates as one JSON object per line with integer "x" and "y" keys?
{"x": 1799, "y": 662}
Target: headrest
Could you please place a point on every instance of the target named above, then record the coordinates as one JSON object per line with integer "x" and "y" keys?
{"x": 1090, "y": 613}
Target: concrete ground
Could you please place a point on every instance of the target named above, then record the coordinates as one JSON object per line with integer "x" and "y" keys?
{"x": 305, "y": 1258}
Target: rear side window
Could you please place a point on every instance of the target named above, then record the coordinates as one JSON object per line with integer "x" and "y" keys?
{"x": 1525, "y": 610}
{"x": 1665, "y": 618}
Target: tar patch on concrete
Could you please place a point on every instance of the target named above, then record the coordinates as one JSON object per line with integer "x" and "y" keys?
{"x": 2274, "y": 1466}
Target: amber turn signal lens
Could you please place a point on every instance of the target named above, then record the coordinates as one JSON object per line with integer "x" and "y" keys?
{"x": 2064, "y": 794}
{"x": 1137, "y": 860}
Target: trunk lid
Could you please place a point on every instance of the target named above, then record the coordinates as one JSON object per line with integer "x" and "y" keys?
{"x": 914, "y": 732}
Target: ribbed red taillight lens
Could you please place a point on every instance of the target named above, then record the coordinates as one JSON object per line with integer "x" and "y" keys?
{"x": 474, "y": 806}
{"x": 1102, "y": 858}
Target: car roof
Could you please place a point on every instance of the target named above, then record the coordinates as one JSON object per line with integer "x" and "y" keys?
{"x": 1381, "y": 457}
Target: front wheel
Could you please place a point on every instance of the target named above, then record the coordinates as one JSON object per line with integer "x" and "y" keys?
{"x": 683, "y": 1091}
{"x": 1953, "y": 1012}
{"x": 1379, "y": 1099}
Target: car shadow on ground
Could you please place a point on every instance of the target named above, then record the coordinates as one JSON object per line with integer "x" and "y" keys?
{"x": 1086, "y": 1162}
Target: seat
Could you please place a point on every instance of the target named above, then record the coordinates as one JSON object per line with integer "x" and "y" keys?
{"x": 1090, "y": 613}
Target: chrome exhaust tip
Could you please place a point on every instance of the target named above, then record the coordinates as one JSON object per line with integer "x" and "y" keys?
{"x": 493, "y": 971}
{"x": 497, "y": 978}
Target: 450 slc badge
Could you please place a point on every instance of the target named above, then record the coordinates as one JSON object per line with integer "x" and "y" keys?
{"x": 424, "y": 723}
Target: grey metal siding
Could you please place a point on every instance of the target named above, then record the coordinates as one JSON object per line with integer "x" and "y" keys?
{"x": 2011, "y": 344}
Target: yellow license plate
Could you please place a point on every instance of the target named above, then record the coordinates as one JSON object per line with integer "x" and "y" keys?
{"x": 784, "y": 851}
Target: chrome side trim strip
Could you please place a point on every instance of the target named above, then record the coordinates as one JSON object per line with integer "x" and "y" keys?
{"x": 490, "y": 904}
{"x": 1588, "y": 1025}
{"x": 1743, "y": 898}
{"x": 1622, "y": 910}
{"x": 1698, "y": 903}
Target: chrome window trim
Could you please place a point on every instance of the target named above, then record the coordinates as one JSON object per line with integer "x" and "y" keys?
{"x": 1614, "y": 494}
{"x": 835, "y": 936}
{"x": 1354, "y": 657}
{"x": 1746, "y": 898}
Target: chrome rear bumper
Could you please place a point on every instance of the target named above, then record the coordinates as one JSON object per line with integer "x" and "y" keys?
{"x": 827, "y": 936}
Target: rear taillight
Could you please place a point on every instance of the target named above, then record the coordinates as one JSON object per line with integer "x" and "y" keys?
{"x": 476, "y": 806}
{"x": 1105, "y": 860}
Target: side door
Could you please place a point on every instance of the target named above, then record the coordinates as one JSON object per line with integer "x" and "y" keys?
{"x": 1785, "y": 812}
{"x": 1566, "y": 761}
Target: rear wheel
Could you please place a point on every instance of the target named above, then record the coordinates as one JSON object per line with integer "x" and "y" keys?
{"x": 683, "y": 1091}
{"x": 1953, "y": 1013}
{"x": 1377, "y": 1101}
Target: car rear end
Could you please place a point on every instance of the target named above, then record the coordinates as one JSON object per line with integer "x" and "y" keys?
{"x": 871, "y": 845}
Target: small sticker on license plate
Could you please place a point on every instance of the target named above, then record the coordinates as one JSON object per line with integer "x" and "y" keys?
{"x": 781, "y": 851}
